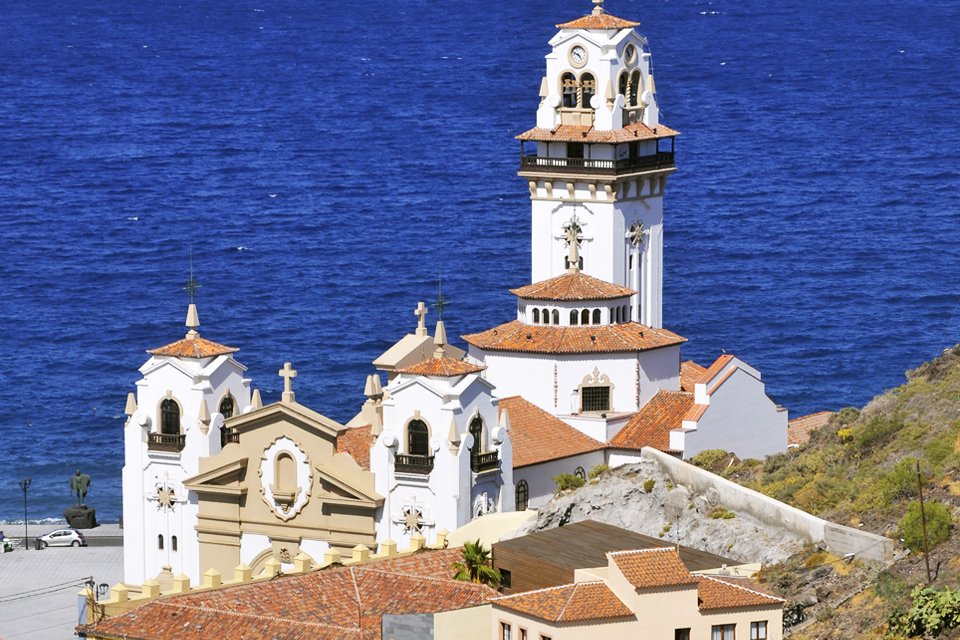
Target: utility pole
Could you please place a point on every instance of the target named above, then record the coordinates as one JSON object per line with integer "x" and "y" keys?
{"x": 923, "y": 524}
{"x": 24, "y": 485}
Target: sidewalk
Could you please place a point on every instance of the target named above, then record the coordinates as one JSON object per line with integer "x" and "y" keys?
{"x": 38, "y": 589}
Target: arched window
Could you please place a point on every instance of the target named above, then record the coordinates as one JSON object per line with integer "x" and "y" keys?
{"x": 545, "y": 314}
{"x": 170, "y": 417}
{"x": 574, "y": 316}
{"x": 418, "y": 438}
{"x": 628, "y": 312}
{"x": 226, "y": 406}
{"x": 624, "y": 84}
{"x": 618, "y": 315}
{"x": 634, "y": 88}
{"x": 536, "y": 316}
{"x": 285, "y": 472}
{"x": 476, "y": 430}
{"x": 556, "y": 316}
{"x": 596, "y": 316}
{"x": 173, "y": 543}
{"x": 588, "y": 88}
{"x": 523, "y": 495}
{"x": 160, "y": 542}
{"x": 568, "y": 87}
{"x": 585, "y": 316}
{"x": 580, "y": 473}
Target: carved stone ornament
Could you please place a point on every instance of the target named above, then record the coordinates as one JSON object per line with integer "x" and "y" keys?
{"x": 166, "y": 497}
{"x": 285, "y": 556}
{"x": 285, "y": 478}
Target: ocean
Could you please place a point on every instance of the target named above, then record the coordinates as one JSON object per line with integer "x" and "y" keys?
{"x": 328, "y": 164}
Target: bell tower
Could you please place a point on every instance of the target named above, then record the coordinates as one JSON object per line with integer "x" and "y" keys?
{"x": 599, "y": 159}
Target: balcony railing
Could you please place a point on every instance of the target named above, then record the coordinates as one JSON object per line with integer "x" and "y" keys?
{"x": 231, "y": 435}
{"x": 484, "y": 461}
{"x": 659, "y": 160}
{"x": 406, "y": 463}
{"x": 166, "y": 441}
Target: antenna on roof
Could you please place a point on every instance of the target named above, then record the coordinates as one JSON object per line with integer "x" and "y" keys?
{"x": 192, "y": 284}
{"x": 442, "y": 301}
{"x": 193, "y": 319}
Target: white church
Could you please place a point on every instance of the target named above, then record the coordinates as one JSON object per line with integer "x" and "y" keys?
{"x": 584, "y": 374}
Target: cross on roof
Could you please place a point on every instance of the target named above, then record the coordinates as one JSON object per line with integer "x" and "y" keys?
{"x": 288, "y": 373}
{"x": 442, "y": 301}
{"x": 421, "y": 313}
{"x": 192, "y": 285}
{"x": 571, "y": 233}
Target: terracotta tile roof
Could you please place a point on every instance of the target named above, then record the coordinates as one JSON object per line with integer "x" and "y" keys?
{"x": 442, "y": 367}
{"x": 690, "y": 372}
{"x": 193, "y": 348}
{"x": 715, "y": 369}
{"x": 799, "y": 429}
{"x": 614, "y": 338}
{"x": 731, "y": 593}
{"x": 695, "y": 412}
{"x": 652, "y": 568}
{"x": 650, "y": 427}
{"x": 538, "y": 436}
{"x": 573, "y": 285}
{"x": 337, "y": 602}
{"x": 601, "y": 21}
{"x": 578, "y": 602}
{"x": 580, "y": 133}
{"x": 356, "y": 441}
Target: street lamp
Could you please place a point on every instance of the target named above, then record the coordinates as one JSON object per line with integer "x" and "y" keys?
{"x": 24, "y": 485}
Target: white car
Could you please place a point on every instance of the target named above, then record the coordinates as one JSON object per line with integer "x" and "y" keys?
{"x": 64, "y": 538}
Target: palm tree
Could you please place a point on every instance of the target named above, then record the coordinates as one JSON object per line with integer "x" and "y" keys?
{"x": 476, "y": 566}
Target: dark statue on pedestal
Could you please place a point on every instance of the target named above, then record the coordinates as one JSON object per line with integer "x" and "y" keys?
{"x": 80, "y": 516}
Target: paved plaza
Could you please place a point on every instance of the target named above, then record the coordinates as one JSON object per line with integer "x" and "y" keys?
{"x": 38, "y": 589}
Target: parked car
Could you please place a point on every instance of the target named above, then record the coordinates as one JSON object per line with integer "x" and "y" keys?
{"x": 64, "y": 538}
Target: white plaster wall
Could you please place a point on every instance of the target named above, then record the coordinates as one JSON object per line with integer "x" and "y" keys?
{"x": 314, "y": 548}
{"x": 618, "y": 458}
{"x": 252, "y": 545}
{"x": 539, "y": 477}
{"x": 740, "y": 418}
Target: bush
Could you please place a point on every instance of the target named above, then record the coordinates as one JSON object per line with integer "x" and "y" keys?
{"x": 598, "y": 471}
{"x": 721, "y": 513}
{"x": 932, "y": 613}
{"x": 649, "y": 484}
{"x": 566, "y": 481}
{"x": 709, "y": 459}
{"x": 901, "y": 481}
{"x": 939, "y": 523}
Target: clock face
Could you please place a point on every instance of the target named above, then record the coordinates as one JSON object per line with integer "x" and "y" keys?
{"x": 630, "y": 54}
{"x": 578, "y": 56}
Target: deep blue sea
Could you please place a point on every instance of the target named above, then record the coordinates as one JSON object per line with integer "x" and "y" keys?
{"x": 325, "y": 161}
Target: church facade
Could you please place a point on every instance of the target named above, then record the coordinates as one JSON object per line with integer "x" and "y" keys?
{"x": 584, "y": 374}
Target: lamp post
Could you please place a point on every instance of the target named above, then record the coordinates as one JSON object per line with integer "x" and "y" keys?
{"x": 24, "y": 485}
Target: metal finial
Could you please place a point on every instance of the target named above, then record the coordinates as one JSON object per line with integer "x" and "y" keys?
{"x": 192, "y": 284}
{"x": 441, "y": 302}
{"x": 598, "y": 7}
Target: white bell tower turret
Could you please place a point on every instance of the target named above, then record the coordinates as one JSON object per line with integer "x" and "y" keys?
{"x": 600, "y": 158}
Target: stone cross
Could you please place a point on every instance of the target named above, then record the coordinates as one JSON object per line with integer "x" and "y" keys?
{"x": 288, "y": 373}
{"x": 421, "y": 313}
{"x": 573, "y": 246}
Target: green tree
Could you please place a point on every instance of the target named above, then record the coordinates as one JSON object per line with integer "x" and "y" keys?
{"x": 476, "y": 566}
{"x": 939, "y": 522}
{"x": 566, "y": 481}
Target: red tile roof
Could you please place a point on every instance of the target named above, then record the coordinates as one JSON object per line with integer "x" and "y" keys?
{"x": 651, "y": 426}
{"x": 614, "y": 338}
{"x": 333, "y": 603}
{"x": 196, "y": 347}
{"x": 731, "y": 593}
{"x": 573, "y": 285}
{"x": 715, "y": 369}
{"x": 799, "y": 429}
{"x": 356, "y": 441}
{"x": 601, "y": 21}
{"x": 690, "y": 372}
{"x": 652, "y": 568}
{"x": 442, "y": 367}
{"x": 578, "y": 602}
{"x": 538, "y": 436}
{"x": 580, "y": 133}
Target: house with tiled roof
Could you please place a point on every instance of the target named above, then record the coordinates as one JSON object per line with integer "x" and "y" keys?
{"x": 646, "y": 593}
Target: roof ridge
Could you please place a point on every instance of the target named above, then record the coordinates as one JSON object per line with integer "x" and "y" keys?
{"x": 259, "y": 616}
{"x": 526, "y": 593}
{"x": 624, "y": 552}
{"x": 402, "y": 574}
{"x": 738, "y": 586}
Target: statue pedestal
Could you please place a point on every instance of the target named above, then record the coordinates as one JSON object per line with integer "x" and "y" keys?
{"x": 81, "y": 517}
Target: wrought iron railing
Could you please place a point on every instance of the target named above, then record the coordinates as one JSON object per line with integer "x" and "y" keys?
{"x": 661, "y": 159}
{"x": 484, "y": 461}
{"x": 166, "y": 441}
{"x": 231, "y": 435}
{"x": 406, "y": 463}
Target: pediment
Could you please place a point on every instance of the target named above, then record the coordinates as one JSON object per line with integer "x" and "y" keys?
{"x": 338, "y": 489}
{"x": 224, "y": 480}
{"x": 291, "y": 412}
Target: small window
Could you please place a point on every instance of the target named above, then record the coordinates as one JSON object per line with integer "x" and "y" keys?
{"x": 543, "y": 637}
{"x": 418, "y": 438}
{"x": 170, "y": 417}
{"x": 556, "y": 316}
{"x": 160, "y": 542}
{"x": 595, "y": 399}
{"x": 173, "y": 543}
{"x": 596, "y": 316}
{"x": 589, "y": 89}
{"x": 681, "y": 634}
{"x": 624, "y": 82}
{"x": 630, "y": 264}
{"x": 523, "y": 633}
{"x": 574, "y": 317}
{"x": 758, "y": 630}
{"x": 523, "y": 495}
{"x": 506, "y": 581}
{"x": 585, "y": 316}
{"x": 723, "y": 632}
{"x": 226, "y": 407}
{"x": 505, "y": 631}
{"x": 634, "y": 88}
{"x": 580, "y": 473}
{"x": 568, "y": 85}
{"x": 546, "y": 316}
{"x": 618, "y": 314}
{"x": 536, "y": 316}
{"x": 476, "y": 430}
